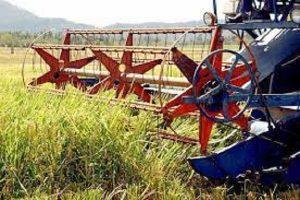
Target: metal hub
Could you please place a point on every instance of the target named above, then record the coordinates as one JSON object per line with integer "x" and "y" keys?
{"x": 122, "y": 68}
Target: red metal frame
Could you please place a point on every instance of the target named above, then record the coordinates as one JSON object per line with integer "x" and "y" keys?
{"x": 55, "y": 75}
{"x": 117, "y": 79}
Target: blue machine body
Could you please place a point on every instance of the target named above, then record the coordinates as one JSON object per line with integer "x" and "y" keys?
{"x": 268, "y": 150}
{"x": 273, "y": 48}
{"x": 288, "y": 173}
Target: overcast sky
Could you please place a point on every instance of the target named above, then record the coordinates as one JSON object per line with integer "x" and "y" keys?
{"x": 105, "y": 12}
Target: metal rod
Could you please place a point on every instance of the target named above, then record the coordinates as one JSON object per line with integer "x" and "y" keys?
{"x": 175, "y": 138}
{"x": 134, "y": 49}
{"x": 259, "y": 25}
{"x": 275, "y": 10}
{"x": 271, "y": 100}
{"x": 142, "y": 31}
{"x": 215, "y": 10}
{"x": 142, "y": 79}
{"x": 131, "y": 104}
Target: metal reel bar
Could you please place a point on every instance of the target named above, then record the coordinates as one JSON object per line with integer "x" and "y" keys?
{"x": 119, "y": 49}
{"x": 131, "y": 104}
{"x": 131, "y": 77}
{"x": 141, "y": 31}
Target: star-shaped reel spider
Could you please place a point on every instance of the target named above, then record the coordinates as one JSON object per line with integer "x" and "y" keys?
{"x": 118, "y": 70}
{"x": 210, "y": 73}
{"x": 56, "y": 75}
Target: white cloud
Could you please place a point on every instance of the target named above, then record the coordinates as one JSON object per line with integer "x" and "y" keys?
{"x": 101, "y": 13}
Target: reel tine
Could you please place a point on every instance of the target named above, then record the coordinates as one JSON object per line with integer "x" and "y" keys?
{"x": 33, "y": 60}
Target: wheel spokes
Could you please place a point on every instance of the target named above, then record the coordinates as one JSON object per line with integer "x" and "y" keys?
{"x": 185, "y": 64}
{"x": 237, "y": 89}
{"x": 122, "y": 90}
{"x": 204, "y": 98}
{"x": 213, "y": 71}
{"x": 65, "y": 53}
{"x": 241, "y": 121}
{"x": 60, "y": 85}
{"x": 77, "y": 83}
{"x": 231, "y": 70}
{"x": 240, "y": 81}
{"x": 179, "y": 98}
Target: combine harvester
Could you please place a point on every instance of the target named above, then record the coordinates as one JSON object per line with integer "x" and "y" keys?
{"x": 189, "y": 72}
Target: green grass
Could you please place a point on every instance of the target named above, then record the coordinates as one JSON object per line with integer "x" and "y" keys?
{"x": 51, "y": 144}
{"x": 69, "y": 147}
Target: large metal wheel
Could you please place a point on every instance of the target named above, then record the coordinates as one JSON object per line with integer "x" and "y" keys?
{"x": 216, "y": 95}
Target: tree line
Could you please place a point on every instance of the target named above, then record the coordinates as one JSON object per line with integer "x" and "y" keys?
{"x": 24, "y": 39}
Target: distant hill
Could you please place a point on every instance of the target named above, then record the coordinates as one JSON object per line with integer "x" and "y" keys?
{"x": 155, "y": 25}
{"x": 13, "y": 18}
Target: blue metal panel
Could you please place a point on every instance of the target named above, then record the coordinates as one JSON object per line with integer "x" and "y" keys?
{"x": 273, "y": 48}
{"x": 256, "y": 101}
{"x": 293, "y": 171}
{"x": 252, "y": 25}
{"x": 284, "y": 175}
{"x": 263, "y": 151}
{"x": 90, "y": 81}
{"x": 253, "y": 154}
{"x": 270, "y": 100}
